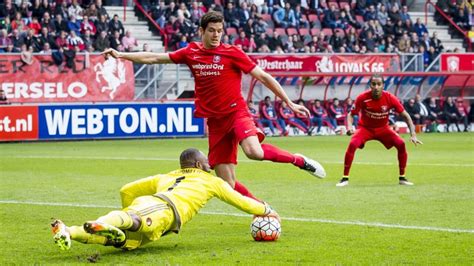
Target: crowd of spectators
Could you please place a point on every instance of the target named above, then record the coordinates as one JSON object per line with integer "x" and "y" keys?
{"x": 60, "y": 28}
{"x": 329, "y": 117}
{"x": 369, "y": 26}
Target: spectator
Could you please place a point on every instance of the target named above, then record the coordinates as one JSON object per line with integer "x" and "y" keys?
{"x": 260, "y": 26}
{"x": 196, "y": 11}
{"x": 404, "y": 15}
{"x": 275, "y": 41}
{"x": 256, "y": 118}
{"x": 75, "y": 10}
{"x": 382, "y": 15}
{"x": 116, "y": 25}
{"x": 62, "y": 10}
{"x": 394, "y": 14}
{"x": 45, "y": 37}
{"x": 4, "y": 40}
{"x": 462, "y": 109}
{"x": 158, "y": 13}
{"x": 183, "y": 42}
{"x": 74, "y": 40}
{"x": 60, "y": 24}
{"x": 243, "y": 13}
{"x": 146, "y": 48}
{"x": 420, "y": 28}
{"x": 349, "y": 104}
{"x": 300, "y": 20}
{"x": 414, "y": 111}
{"x": 74, "y": 25}
{"x": 35, "y": 26}
{"x": 270, "y": 117}
{"x": 46, "y": 49}
{"x": 231, "y": 16}
{"x": 434, "y": 114}
{"x": 371, "y": 13}
{"x": 183, "y": 11}
{"x": 92, "y": 13}
{"x": 426, "y": 41}
{"x": 336, "y": 113}
{"x": 129, "y": 42}
{"x": 102, "y": 42}
{"x": 289, "y": 116}
{"x": 305, "y": 119}
{"x": 88, "y": 39}
{"x": 452, "y": 114}
{"x": 101, "y": 9}
{"x": 319, "y": 115}
{"x": 61, "y": 40}
{"x": 462, "y": 20}
{"x": 248, "y": 28}
{"x": 101, "y": 25}
{"x": 86, "y": 24}
{"x": 422, "y": 108}
{"x": 8, "y": 10}
{"x": 285, "y": 17}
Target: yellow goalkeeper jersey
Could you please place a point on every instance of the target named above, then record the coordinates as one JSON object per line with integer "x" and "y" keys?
{"x": 187, "y": 191}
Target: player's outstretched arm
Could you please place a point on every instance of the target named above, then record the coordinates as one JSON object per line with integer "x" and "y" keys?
{"x": 139, "y": 57}
{"x": 226, "y": 193}
{"x": 276, "y": 88}
{"x": 411, "y": 127}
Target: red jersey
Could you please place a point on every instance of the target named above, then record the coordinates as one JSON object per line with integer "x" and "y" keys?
{"x": 374, "y": 113}
{"x": 218, "y": 77}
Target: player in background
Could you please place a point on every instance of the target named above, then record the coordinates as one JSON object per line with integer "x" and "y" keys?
{"x": 217, "y": 69}
{"x": 157, "y": 205}
{"x": 374, "y": 106}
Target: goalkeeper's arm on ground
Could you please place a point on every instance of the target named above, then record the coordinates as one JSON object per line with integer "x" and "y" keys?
{"x": 227, "y": 194}
{"x": 141, "y": 187}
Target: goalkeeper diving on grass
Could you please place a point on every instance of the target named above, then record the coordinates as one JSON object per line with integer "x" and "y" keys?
{"x": 157, "y": 205}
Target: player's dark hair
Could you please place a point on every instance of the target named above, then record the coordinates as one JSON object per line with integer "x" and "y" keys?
{"x": 188, "y": 158}
{"x": 211, "y": 17}
{"x": 377, "y": 76}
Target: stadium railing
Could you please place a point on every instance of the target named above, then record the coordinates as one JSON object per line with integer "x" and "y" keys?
{"x": 441, "y": 12}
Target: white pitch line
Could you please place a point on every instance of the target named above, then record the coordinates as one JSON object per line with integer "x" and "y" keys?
{"x": 242, "y": 160}
{"x": 311, "y": 220}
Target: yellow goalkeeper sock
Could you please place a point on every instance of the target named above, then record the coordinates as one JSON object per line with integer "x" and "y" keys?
{"x": 78, "y": 234}
{"x": 119, "y": 219}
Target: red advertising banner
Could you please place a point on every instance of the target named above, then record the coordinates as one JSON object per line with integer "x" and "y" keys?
{"x": 457, "y": 62}
{"x": 92, "y": 79}
{"x": 328, "y": 63}
{"x": 18, "y": 123}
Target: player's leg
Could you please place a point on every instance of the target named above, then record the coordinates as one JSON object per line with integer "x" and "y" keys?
{"x": 358, "y": 140}
{"x": 227, "y": 172}
{"x": 63, "y": 235}
{"x": 390, "y": 138}
{"x": 249, "y": 138}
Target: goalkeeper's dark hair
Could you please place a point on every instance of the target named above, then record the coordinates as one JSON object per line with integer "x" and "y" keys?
{"x": 188, "y": 158}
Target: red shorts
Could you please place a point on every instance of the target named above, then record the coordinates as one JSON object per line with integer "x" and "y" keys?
{"x": 386, "y": 135}
{"x": 225, "y": 134}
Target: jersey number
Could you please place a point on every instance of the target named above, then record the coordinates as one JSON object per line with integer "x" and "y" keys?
{"x": 178, "y": 180}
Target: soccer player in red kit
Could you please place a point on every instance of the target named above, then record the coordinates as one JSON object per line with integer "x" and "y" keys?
{"x": 374, "y": 106}
{"x": 217, "y": 70}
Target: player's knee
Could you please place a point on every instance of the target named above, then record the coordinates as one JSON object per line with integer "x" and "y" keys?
{"x": 254, "y": 152}
{"x": 353, "y": 145}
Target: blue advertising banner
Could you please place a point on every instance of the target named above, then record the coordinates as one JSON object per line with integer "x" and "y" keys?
{"x": 118, "y": 121}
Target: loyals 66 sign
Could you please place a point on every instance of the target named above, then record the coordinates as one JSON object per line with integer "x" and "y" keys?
{"x": 92, "y": 79}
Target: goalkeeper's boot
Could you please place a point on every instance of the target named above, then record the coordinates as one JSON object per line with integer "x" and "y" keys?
{"x": 112, "y": 233}
{"x": 404, "y": 182}
{"x": 312, "y": 167}
{"x": 61, "y": 236}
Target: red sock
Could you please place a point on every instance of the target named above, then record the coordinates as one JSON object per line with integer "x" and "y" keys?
{"x": 402, "y": 158}
{"x": 348, "y": 158}
{"x": 275, "y": 154}
{"x": 239, "y": 187}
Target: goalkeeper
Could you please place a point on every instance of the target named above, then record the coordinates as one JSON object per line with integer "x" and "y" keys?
{"x": 157, "y": 205}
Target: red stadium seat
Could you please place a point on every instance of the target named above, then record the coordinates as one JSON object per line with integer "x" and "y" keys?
{"x": 360, "y": 18}
{"x": 291, "y": 31}
{"x": 304, "y": 31}
{"x": 315, "y": 31}
{"x": 342, "y": 5}
{"x": 231, "y": 31}
{"x": 269, "y": 31}
{"x": 281, "y": 31}
{"x": 327, "y": 32}
{"x": 266, "y": 17}
{"x": 312, "y": 17}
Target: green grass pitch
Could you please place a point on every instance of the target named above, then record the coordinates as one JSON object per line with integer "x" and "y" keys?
{"x": 372, "y": 221}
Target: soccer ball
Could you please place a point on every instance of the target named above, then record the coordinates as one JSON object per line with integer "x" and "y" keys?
{"x": 265, "y": 228}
